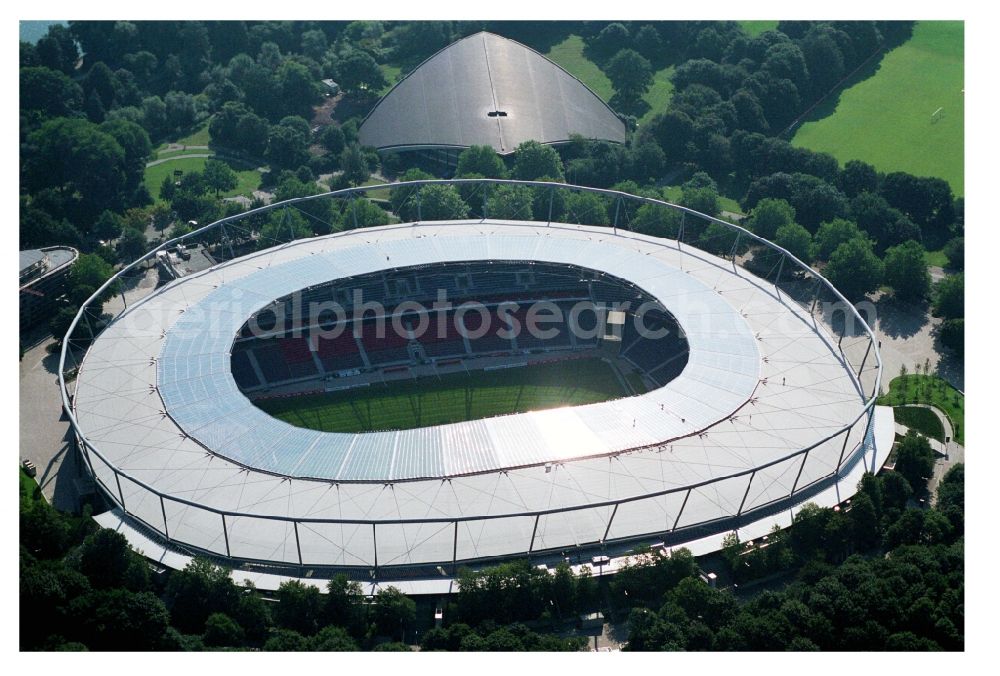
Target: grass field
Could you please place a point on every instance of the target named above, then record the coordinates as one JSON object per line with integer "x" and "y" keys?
{"x": 755, "y": 28}
{"x": 922, "y": 420}
{"x": 659, "y": 94}
{"x": 196, "y": 137}
{"x": 451, "y": 398}
{"x": 936, "y": 258}
{"x": 391, "y": 73}
{"x": 886, "y": 119}
{"x": 920, "y": 389}
{"x": 248, "y": 180}
{"x": 569, "y": 55}
{"x": 673, "y": 194}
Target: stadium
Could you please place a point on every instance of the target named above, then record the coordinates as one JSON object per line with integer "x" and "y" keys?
{"x": 400, "y": 400}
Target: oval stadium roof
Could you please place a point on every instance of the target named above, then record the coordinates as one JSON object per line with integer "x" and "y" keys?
{"x": 487, "y": 90}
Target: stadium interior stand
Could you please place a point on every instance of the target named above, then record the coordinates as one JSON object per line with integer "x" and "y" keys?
{"x": 303, "y": 337}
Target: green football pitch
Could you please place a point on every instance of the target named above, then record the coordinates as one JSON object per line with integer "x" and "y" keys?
{"x": 908, "y": 116}
{"x": 451, "y": 398}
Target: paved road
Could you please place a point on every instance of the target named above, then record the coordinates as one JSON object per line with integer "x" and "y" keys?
{"x": 907, "y": 337}
{"x": 44, "y": 434}
{"x": 45, "y": 437}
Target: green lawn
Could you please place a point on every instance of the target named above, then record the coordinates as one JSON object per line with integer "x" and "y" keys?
{"x": 248, "y": 180}
{"x": 922, "y": 420}
{"x": 28, "y": 487}
{"x": 659, "y": 94}
{"x": 569, "y": 55}
{"x": 886, "y": 120}
{"x": 196, "y": 137}
{"x": 451, "y": 398}
{"x": 391, "y": 74}
{"x": 920, "y": 389}
{"x": 755, "y": 28}
{"x": 673, "y": 194}
{"x": 936, "y": 258}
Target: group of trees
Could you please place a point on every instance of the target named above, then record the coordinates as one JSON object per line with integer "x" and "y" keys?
{"x": 897, "y": 583}
{"x": 82, "y": 587}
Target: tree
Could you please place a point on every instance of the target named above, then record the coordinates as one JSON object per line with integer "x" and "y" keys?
{"x": 85, "y": 165}
{"x": 112, "y": 619}
{"x": 854, "y": 269}
{"x": 252, "y": 614}
{"x": 906, "y": 271}
{"x": 440, "y": 203}
{"x": 858, "y": 177}
{"x": 221, "y": 630}
{"x": 199, "y": 590}
{"x": 954, "y": 250}
{"x": 354, "y": 165}
{"x": 332, "y": 138}
{"x": 586, "y": 208}
{"x": 533, "y": 161}
{"x": 795, "y": 239}
{"x": 298, "y": 88}
{"x": 219, "y": 176}
{"x": 631, "y": 75}
{"x": 648, "y": 42}
{"x": 131, "y": 245}
{"x": 702, "y": 200}
{"x": 896, "y": 490}
{"x": 285, "y": 640}
{"x": 314, "y": 44}
{"x": 135, "y": 143}
{"x": 299, "y": 607}
{"x": 49, "y": 92}
{"x": 108, "y": 225}
{"x": 915, "y": 460}
{"x": 480, "y": 160}
{"x": 952, "y": 334}
{"x": 286, "y": 149}
{"x": 179, "y": 108}
{"x": 884, "y": 224}
{"x": 359, "y": 73}
{"x": 332, "y": 639}
{"x": 344, "y": 605}
{"x": 88, "y": 273}
{"x": 612, "y": 38}
{"x": 769, "y": 215}
{"x": 393, "y": 610}
{"x": 949, "y": 297}
{"x": 928, "y": 201}
{"x": 832, "y": 234}
{"x": 512, "y": 202}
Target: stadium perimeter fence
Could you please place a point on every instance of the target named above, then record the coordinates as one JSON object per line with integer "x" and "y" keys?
{"x": 817, "y": 466}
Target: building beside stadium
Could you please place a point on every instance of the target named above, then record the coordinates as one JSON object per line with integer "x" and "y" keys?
{"x": 747, "y": 390}
{"x": 486, "y": 90}
{"x": 42, "y": 281}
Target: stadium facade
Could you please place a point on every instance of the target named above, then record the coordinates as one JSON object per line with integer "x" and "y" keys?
{"x": 773, "y": 407}
{"x": 486, "y": 90}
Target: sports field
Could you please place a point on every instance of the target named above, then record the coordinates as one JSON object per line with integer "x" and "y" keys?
{"x": 452, "y": 398}
{"x": 888, "y": 119}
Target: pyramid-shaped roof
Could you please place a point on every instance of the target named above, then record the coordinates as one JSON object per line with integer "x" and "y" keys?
{"x": 487, "y": 90}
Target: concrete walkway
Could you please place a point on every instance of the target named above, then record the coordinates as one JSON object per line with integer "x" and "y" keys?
{"x": 179, "y": 157}
{"x": 45, "y": 436}
{"x": 950, "y": 454}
